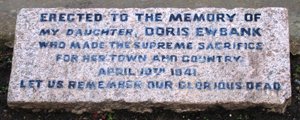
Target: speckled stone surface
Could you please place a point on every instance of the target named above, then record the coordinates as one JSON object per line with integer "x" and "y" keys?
{"x": 255, "y": 75}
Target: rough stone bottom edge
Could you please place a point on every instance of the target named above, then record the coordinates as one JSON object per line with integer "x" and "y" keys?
{"x": 80, "y": 107}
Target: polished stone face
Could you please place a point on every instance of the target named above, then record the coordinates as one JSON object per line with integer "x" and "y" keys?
{"x": 177, "y": 58}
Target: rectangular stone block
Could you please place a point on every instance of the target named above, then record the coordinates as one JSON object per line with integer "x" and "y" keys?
{"x": 176, "y": 58}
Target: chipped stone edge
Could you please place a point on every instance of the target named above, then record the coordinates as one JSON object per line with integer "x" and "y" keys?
{"x": 110, "y": 106}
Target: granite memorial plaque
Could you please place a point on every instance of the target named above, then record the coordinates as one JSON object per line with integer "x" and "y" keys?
{"x": 176, "y": 58}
